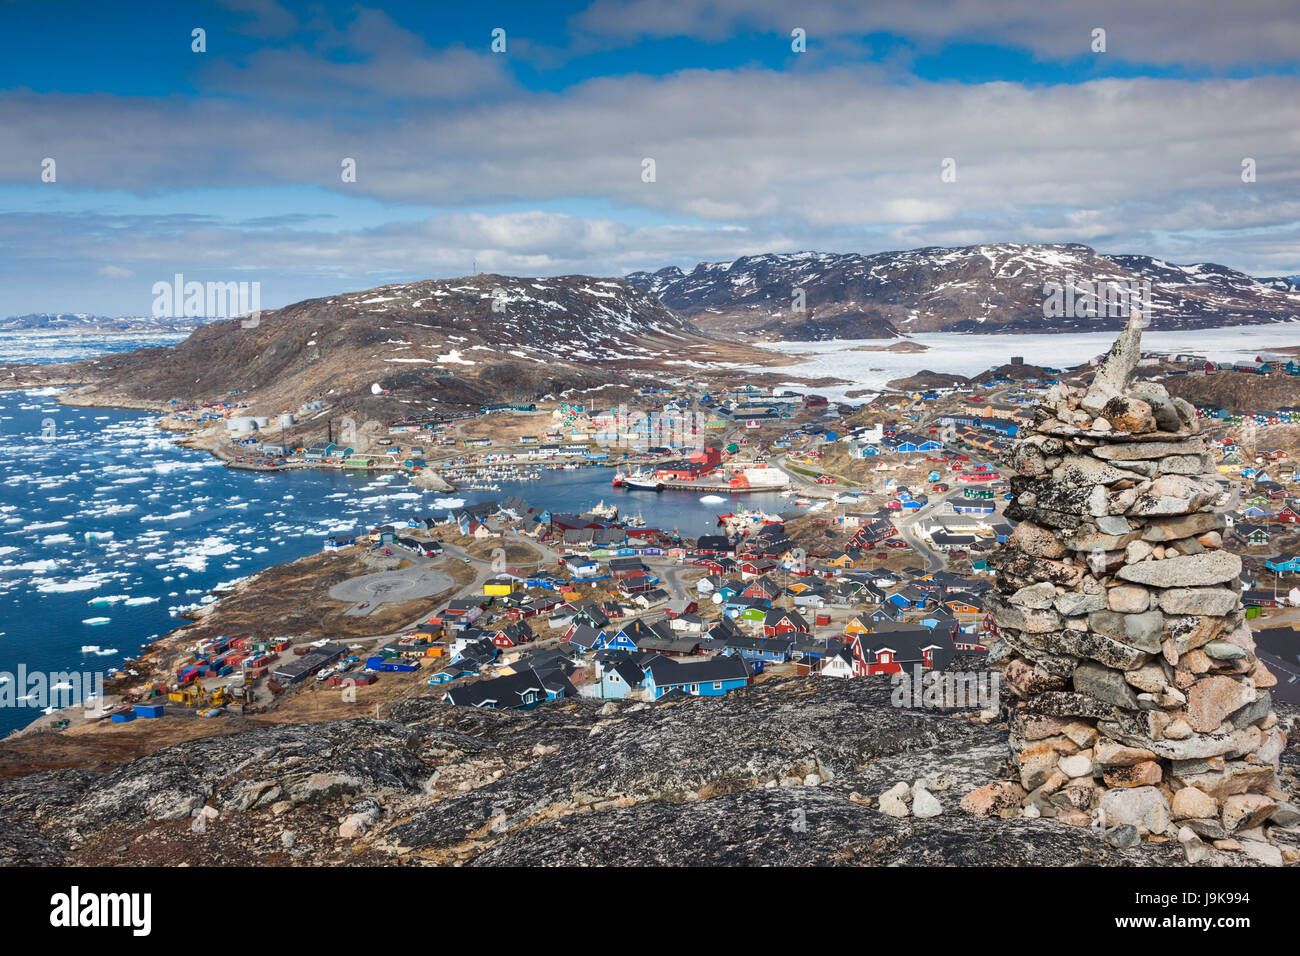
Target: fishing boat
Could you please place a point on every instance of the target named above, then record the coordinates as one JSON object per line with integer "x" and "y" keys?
{"x": 643, "y": 481}
{"x": 603, "y": 510}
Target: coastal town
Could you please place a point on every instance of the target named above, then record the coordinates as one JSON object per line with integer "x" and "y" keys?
{"x": 877, "y": 562}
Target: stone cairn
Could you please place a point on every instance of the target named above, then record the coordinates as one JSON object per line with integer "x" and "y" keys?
{"x": 1139, "y": 705}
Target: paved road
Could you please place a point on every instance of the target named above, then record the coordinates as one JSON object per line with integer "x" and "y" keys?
{"x": 907, "y": 530}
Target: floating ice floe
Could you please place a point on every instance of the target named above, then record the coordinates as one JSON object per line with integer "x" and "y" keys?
{"x": 96, "y": 621}
{"x": 76, "y": 584}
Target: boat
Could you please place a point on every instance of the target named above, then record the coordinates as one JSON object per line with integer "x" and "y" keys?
{"x": 619, "y": 477}
{"x": 603, "y": 510}
{"x": 643, "y": 481}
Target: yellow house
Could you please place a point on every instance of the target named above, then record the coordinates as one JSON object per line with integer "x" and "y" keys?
{"x": 856, "y": 625}
{"x": 499, "y": 587}
{"x": 841, "y": 561}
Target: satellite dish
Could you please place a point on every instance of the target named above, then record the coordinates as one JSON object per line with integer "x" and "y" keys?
{"x": 376, "y": 389}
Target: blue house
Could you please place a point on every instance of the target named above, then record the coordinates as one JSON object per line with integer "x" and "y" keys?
{"x": 586, "y": 638}
{"x": 775, "y": 651}
{"x": 629, "y": 638}
{"x": 889, "y": 611}
{"x": 619, "y": 679}
{"x": 1284, "y": 564}
{"x": 909, "y": 443}
{"x": 908, "y": 597}
{"x": 709, "y": 678}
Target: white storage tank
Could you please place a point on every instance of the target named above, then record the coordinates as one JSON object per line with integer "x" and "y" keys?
{"x": 286, "y": 420}
{"x": 261, "y": 421}
{"x": 241, "y": 423}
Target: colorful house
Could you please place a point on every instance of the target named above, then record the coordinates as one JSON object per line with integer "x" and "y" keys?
{"x": 714, "y": 677}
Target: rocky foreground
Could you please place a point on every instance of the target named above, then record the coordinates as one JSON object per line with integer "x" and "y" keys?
{"x": 791, "y": 772}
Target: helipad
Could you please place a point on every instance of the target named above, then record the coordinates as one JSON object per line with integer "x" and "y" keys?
{"x": 408, "y": 584}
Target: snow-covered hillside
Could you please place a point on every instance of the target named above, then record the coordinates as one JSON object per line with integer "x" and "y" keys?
{"x": 993, "y": 287}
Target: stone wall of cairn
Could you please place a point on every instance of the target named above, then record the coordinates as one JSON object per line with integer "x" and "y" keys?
{"x": 1139, "y": 705}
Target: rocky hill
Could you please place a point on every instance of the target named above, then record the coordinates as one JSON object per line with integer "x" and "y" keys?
{"x": 450, "y": 343}
{"x": 1237, "y": 392}
{"x": 988, "y": 288}
{"x": 788, "y": 773}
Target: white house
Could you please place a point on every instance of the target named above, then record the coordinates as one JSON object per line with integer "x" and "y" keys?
{"x": 839, "y": 664}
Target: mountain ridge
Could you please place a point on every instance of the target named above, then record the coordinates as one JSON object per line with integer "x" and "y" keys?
{"x": 992, "y": 287}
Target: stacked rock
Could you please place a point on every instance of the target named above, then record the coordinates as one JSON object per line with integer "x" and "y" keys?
{"x": 1139, "y": 701}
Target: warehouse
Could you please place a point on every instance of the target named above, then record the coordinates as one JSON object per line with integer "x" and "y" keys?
{"x": 303, "y": 667}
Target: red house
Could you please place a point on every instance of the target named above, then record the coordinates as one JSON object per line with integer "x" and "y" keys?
{"x": 690, "y": 608}
{"x": 779, "y": 621}
{"x": 889, "y": 652}
{"x": 1290, "y": 513}
{"x": 512, "y": 635}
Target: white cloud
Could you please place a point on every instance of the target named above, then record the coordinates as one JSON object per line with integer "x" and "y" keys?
{"x": 1203, "y": 32}
{"x": 748, "y": 160}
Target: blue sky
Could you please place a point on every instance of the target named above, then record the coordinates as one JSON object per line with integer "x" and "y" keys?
{"x": 226, "y": 164}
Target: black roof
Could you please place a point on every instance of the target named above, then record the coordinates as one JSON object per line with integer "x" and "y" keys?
{"x": 499, "y": 692}
{"x": 665, "y": 670}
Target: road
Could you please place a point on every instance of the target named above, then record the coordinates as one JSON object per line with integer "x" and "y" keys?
{"x": 907, "y": 530}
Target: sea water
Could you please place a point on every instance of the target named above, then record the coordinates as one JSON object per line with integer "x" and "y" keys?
{"x": 108, "y": 530}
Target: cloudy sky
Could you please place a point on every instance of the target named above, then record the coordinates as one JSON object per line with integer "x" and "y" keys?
{"x": 227, "y": 164}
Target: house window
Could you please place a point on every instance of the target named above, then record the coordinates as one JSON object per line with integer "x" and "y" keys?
{"x": 717, "y": 685}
